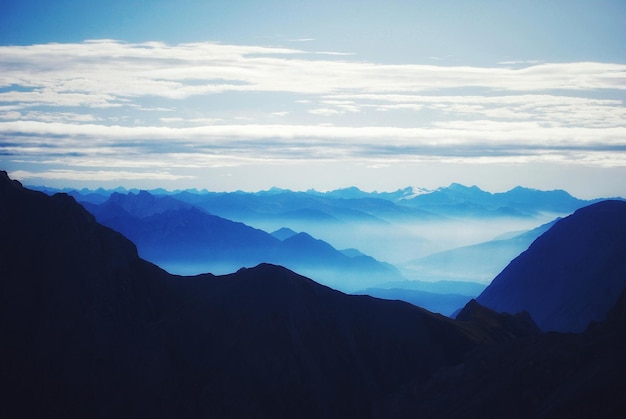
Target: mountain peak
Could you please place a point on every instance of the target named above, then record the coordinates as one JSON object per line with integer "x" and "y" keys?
{"x": 143, "y": 203}
{"x": 5, "y": 179}
{"x": 284, "y": 233}
{"x": 519, "y": 324}
{"x": 457, "y": 187}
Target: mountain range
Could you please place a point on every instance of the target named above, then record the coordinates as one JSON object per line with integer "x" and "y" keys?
{"x": 180, "y": 232}
{"x": 395, "y": 227}
{"x": 185, "y": 239}
{"x": 92, "y": 330}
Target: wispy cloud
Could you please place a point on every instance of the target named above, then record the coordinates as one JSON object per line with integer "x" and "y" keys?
{"x": 517, "y": 62}
{"x": 459, "y": 138}
{"x": 103, "y": 73}
{"x": 106, "y": 103}
{"x": 549, "y": 109}
{"x": 100, "y": 175}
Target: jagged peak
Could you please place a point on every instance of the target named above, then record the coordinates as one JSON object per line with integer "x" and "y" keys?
{"x": 4, "y": 176}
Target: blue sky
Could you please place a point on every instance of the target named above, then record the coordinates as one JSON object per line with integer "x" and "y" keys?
{"x": 325, "y": 94}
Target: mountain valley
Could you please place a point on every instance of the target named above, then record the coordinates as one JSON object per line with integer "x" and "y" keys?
{"x": 93, "y": 330}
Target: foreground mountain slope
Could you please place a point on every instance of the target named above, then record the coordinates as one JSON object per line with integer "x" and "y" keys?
{"x": 91, "y": 330}
{"x": 569, "y": 276}
{"x": 545, "y": 376}
{"x": 446, "y": 304}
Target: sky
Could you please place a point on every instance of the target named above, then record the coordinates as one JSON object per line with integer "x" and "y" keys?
{"x": 248, "y": 95}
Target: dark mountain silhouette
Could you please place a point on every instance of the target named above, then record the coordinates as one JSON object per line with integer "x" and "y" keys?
{"x": 571, "y": 275}
{"x": 550, "y": 375}
{"x": 184, "y": 239}
{"x": 91, "y": 330}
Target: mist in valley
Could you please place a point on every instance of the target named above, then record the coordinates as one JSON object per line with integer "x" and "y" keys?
{"x": 401, "y": 243}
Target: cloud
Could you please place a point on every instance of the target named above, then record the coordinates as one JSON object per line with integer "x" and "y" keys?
{"x": 335, "y": 53}
{"x": 462, "y": 139}
{"x": 100, "y": 73}
{"x": 552, "y": 109}
{"x": 325, "y": 111}
{"x": 100, "y": 103}
{"x": 100, "y": 175}
{"x": 517, "y": 62}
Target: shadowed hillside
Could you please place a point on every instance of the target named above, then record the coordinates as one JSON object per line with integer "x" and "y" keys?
{"x": 569, "y": 276}
{"x": 545, "y": 376}
{"x": 91, "y": 330}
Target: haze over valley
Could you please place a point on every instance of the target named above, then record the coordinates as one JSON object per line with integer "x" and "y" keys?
{"x": 424, "y": 248}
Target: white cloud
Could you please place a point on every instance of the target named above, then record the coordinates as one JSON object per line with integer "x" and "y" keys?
{"x": 100, "y": 175}
{"x": 517, "y": 62}
{"x": 554, "y": 109}
{"x": 105, "y": 71}
{"x": 325, "y": 112}
{"x": 222, "y": 101}
{"x": 462, "y": 139}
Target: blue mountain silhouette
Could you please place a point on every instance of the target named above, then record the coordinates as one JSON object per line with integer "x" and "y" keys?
{"x": 184, "y": 238}
{"x": 571, "y": 275}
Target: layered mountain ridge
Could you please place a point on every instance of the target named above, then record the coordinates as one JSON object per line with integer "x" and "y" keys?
{"x": 92, "y": 330}
{"x": 185, "y": 239}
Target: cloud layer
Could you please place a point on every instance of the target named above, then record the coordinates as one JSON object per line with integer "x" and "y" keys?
{"x": 90, "y": 109}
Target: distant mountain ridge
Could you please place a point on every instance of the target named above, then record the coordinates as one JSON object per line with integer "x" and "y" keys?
{"x": 185, "y": 239}
{"x": 392, "y": 226}
{"x": 519, "y": 201}
{"x": 454, "y": 194}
